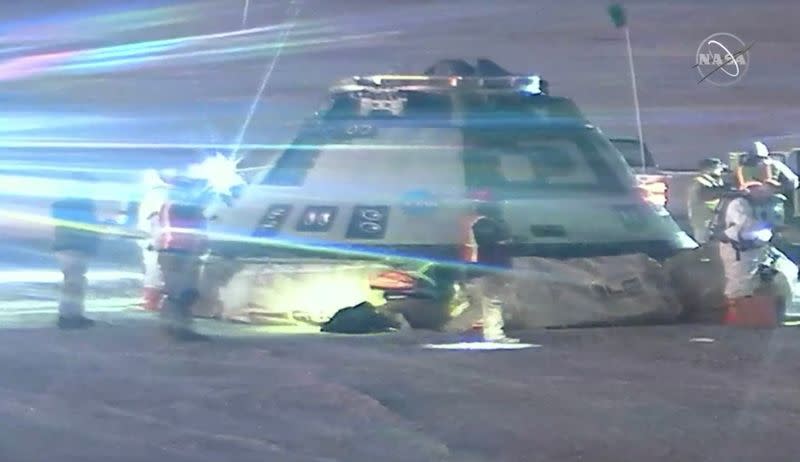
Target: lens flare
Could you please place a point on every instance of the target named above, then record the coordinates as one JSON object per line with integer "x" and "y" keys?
{"x": 219, "y": 171}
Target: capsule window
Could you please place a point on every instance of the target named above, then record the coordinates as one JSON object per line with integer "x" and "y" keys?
{"x": 368, "y": 222}
{"x": 317, "y": 219}
{"x": 273, "y": 220}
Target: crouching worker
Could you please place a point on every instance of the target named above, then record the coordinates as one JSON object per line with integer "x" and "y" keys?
{"x": 489, "y": 277}
{"x": 744, "y": 226}
{"x": 75, "y": 241}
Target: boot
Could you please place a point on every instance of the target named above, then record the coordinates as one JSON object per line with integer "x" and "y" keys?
{"x": 756, "y": 311}
{"x": 185, "y": 334}
{"x": 177, "y": 321}
{"x": 74, "y": 322}
{"x": 501, "y": 338}
{"x": 151, "y": 298}
{"x": 493, "y": 326}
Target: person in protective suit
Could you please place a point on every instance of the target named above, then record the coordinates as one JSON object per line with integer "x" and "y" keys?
{"x": 139, "y": 214}
{"x": 758, "y": 166}
{"x": 489, "y": 277}
{"x": 784, "y": 180}
{"x": 744, "y": 226}
{"x": 754, "y": 167}
{"x": 75, "y": 241}
{"x": 180, "y": 241}
{"x": 784, "y": 176}
{"x": 704, "y": 194}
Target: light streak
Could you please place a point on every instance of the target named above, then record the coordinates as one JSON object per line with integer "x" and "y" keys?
{"x": 21, "y": 276}
{"x": 125, "y": 145}
{"x": 265, "y": 80}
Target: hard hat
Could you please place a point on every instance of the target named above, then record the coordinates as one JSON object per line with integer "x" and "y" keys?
{"x": 761, "y": 149}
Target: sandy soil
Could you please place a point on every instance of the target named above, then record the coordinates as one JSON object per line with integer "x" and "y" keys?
{"x": 122, "y": 392}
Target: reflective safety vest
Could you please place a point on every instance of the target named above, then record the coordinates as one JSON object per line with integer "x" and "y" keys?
{"x": 747, "y": 173}
{"x": 182, "y": 228}
{"x": 708, "y": 181}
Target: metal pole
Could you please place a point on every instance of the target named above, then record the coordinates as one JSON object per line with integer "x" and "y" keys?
{"x": 635, "y": 98}
{"x": 244, "y": 13}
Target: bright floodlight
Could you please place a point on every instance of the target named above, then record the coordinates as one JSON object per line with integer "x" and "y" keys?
{"x": 534, "y": 86}
{"x": 220, "y": 172}
{"x": 761, "y": 234}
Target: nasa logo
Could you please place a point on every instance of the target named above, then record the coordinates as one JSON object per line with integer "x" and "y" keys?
{"x": 722, "y": 59}
{"x": 419, "y": 202}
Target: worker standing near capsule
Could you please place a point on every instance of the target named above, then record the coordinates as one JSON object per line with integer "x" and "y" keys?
{"x": 139, "y": 213}
{"x": 754, "y": 166}
{"x": 489, "y": 278}
{"x": 759, "y": 166}
{"x": 75, "y": 241}
{"x": 704, "y": 195}
{"x": 147, "y": 216}
{"x": 180, "y": 242}
{"x": 743, "y": 227}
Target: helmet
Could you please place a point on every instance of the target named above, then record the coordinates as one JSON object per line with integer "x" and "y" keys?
{"x": 761, "y": 150}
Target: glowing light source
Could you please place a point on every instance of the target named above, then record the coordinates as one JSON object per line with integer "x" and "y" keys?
{"x": 654, "y": 188}
{"x": 760, "y": 234}
{"x": 392, "y": 280}
{"x": 534, "y": 86}
{"x": 219, "y": 171}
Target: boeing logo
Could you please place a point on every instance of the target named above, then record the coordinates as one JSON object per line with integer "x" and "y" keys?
{"x": 722, "y": 59}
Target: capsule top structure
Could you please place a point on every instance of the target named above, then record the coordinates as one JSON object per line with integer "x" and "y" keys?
{"x": 395, "y": 164}
{"x": 455, "y": 90}
{"x": 526, "y": 85}
{"x": 446, "y": 75}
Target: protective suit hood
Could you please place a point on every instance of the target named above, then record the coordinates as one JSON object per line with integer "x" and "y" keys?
{"x": 761, "y": 149}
